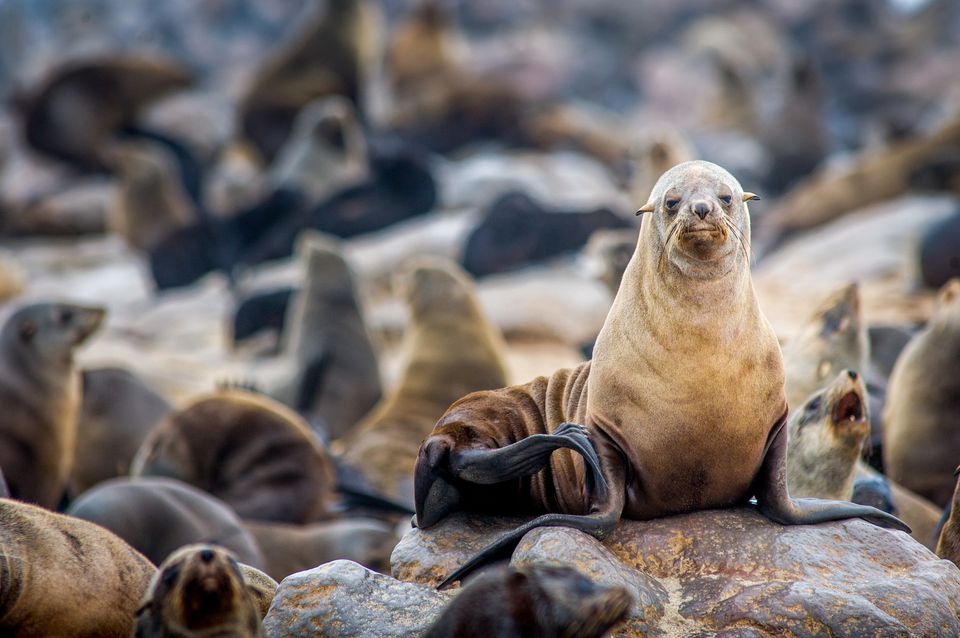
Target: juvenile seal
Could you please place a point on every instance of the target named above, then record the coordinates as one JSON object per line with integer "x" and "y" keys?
{"x": 198, "y": 591}
{"x": 117, "y": 412}
{"x": 65, "y": 577}
{"x": 921, "y": 440}
{"x": 685, "y": 361}
{"x": 335, "y": 378}
{"x": 157, "y": 516}
{"x": 948, "y": 543}
{"x": 40, "y": 395}
{"x": 825, "y": 437}
{"x": 451, "y": 349}
{"x": 536, "y": 600}
{"x": 247, "y": 450}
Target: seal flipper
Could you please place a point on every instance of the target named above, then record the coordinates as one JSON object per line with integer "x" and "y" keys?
{"x": 605, "y": 496}
{"x": 775, "y": 502}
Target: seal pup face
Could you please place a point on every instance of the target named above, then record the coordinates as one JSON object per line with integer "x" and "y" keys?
{"x": 51, "y": 331}
{"x": 700, "y": 220}
{"x": 199, "y": 590}
{"x": 826, "y": 435}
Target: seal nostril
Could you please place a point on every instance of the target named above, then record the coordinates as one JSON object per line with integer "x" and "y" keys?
{"x": 206, "y": 555}
{"x": 852, "y": 375}
{"x": 701, "y": 209}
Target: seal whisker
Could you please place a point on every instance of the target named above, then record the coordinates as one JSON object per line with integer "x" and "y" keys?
{"x": 740, "y": 238}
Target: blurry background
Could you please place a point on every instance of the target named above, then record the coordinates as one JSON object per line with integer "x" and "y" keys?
{"x": 842, "y": 114}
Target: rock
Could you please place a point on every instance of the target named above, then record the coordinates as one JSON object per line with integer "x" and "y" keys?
{"x": 729, "y": 573}
{"x": 342, "y": 598}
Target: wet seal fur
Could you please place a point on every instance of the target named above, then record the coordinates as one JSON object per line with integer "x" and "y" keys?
{"x": 63, "y": 576}
{"x": 247, "y": 450}
{"x": 200, "y": 590}
{"x": 451, "y": 349}
{"x": 40, "y": 395}
{"x": 536, "y": 600}
{"x": 685, "y": 361}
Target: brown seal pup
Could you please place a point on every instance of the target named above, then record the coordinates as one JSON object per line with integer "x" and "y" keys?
{"x": 40, "y": 395}
{"x": 118, "y": 411}
{"x": 451, "y": 350}
{"x": 537, "y": 600}
{"x": 834, "y": 339}
{"x": 337, "y": 375}
{"x": 247, "y": 450}
{"x": 292, "y": 548}
{"x": 75, "y": 111}
{"x": 65, "y": 577}
{"x": 157, "y": 516}
{"x": 825, "y": 437}
{"x": 685, "y": 361}
{"x": 921, "y": 440}
{"x": 948, "y": 544}
{"x": 149, "y": 202}
{"x": 198, "y": 591}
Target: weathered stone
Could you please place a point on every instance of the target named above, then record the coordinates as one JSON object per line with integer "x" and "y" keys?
{"x": 342, "y": 598}
{"x": 730, "y": 573}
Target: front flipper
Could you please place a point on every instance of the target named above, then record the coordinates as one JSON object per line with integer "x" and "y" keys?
{"x": 774, "y": 501}
{"x": 605, "y": 508}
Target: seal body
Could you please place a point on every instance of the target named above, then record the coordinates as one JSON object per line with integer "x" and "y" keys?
{"x": 198, "y": 591}
{"x": 948, "y": 542}
{"x": 40, "y": 395}
{"x": 921, "y": 440}
{"x": 536, "y": 600}
{"x": 451, "y": 349}
{"x": 249, "y": 451}
{"x": 63, "y": 576}
{"x": 157, "y": 516}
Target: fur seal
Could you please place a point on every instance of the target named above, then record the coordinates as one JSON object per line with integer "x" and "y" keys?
{"x": 150, "y": 202}
{"x": 516, "y": 231}
{"x": 198, "y": 591}
{"x": 948, "y": 543}
{"x": 75, "y": 111}
{"x": 451, "y": 349}
{"x": 292, "y": 548}
{"x": 608, "y": 252}
{"x": 535, "y": 600}
{"x": 921, "y": 442}
{"x": 333, "y": 54}
{"x": 684, "y": 351}
{"x": 825, "y": 437}
{"x": 336, "y": 380}
{"x": 65, "y": 577}
{"x": 40, "y": 395}
{"x": 157, "y": 516}
{"x": 247, "y": 450}
{"x": 261, "y": 312}
{"x": 117, "y": 412}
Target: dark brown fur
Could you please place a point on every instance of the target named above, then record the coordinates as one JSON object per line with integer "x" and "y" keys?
{"x": 249, "y": 451}
{"x": 948, "y": 545}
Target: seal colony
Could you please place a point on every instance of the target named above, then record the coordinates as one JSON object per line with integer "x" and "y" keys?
{"x": 682, "y": 407}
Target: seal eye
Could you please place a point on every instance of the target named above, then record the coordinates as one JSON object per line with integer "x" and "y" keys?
{"x": 672, "y": 204}
{"x": 726, "y": 199}
{"x": 813, "y": 406}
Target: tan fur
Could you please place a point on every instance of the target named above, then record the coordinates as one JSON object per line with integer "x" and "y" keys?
{"x": 292, "y": 548}
{"x": 824, "y": 445}
{"x": 679, "y": 337}
{"x": 834, "y": 339}
{"x": 201, "y": 590}
{"x": 40, "y": 395}
{"x": 12, "y": 278}
{"x": 653, "y": 154}
{"x": 149, "y": 202}
{"x": 451, "y": 349}
{"x": 65, "y": 577}
{"x": 247, "y": 450}
{"x": 921, "y": 438}
{"x": 948, "y": 544}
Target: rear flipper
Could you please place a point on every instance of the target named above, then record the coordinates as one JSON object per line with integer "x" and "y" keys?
{"x": 441, "y": 465}
{"x": 774, "y": 502}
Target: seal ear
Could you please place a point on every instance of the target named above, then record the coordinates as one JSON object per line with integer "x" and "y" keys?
{"x": 749, "y": 197}
{"x": 646, "y": 208}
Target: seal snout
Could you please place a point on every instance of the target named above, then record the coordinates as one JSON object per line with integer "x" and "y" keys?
{"x": 701, "y": 209}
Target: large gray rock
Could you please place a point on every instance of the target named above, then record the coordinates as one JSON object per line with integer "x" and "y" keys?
{"x": 342, "y": 598}
{"x": 730, "y": 573}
